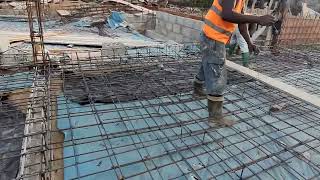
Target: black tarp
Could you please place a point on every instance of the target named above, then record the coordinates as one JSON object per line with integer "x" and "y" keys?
{"x": 11, "y": 132}
{"x": 143, "y": 84}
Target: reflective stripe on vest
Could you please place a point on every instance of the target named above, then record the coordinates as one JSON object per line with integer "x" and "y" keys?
{"x": 220, "y": 30}
{"x": 216, "y": 10}
{"x": 215, "y": 27}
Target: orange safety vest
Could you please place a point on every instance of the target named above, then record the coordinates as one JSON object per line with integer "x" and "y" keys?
{"x": 215, "y": 27}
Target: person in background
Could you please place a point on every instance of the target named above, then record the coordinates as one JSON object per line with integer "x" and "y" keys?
{"x": 237, "y": 39}
{"x": 219, "y": 24}
{"x": 280, "y": 12}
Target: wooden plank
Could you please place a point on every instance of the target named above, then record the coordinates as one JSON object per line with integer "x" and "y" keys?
{"x": 14, "y": 16}
{"x": 96, "y": 41}
{"x": 57, "y": 137}
{"x": 33, "y": 135}
{"x": 139, "y": 8}
{"x": 291, "y": 90}
{"x": 63, "y": 13}
{"x": 21, "y": 36}
{"x": 75, "y": 39}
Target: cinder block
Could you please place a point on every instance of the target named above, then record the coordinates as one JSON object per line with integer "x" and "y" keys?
{"x": 159, "y": 15}
{"x": 162, "y": 24}
{"x": 190, "y": 34}
{"x": 176, "y": 28}
{"x": 151, "y": 25}
{"x": 175, "y": 37}
{"x": 198, "y": 25}
{"x": 169, "y": 26}
{"x": 179, "y": 38}
{"x": 158, "y": 28}
{"x": 195, "y": 34}
{"x": 188, "y": 39}
{"x": 189, "y": 22}
{"x": 180, "y": 20}
{"x": 162, "y": 15}
{"x": 186, "y": 31}
{"x": 164, "y": 31}
{"x": 158, "y": 24}
{"x": 185, "y": 39}
{"x": 155, "y": 35}
{"x": 172, "y": 18}
{"x": 194, "y": 38}
{"x": 192, "y": 23}
{"x": 171, "y": 35}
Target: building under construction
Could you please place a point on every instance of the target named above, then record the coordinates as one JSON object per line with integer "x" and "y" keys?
{"x": 104, "y": 91}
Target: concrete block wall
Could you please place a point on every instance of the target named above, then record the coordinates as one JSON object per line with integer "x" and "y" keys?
{"x": 141, "y": 22}
{"x": 177, "y": 28}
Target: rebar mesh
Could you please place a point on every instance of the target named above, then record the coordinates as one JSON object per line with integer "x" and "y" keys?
{"x": 298, "y": 67}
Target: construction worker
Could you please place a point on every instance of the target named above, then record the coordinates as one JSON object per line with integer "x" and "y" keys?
{"x": 220, "y": 22}
{"x": 237, "y": 39}
{"x": 280, "y": 12}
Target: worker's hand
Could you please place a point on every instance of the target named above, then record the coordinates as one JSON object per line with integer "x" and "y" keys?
{"x": 266, "y": 20}
{"x": 255, "y": 49}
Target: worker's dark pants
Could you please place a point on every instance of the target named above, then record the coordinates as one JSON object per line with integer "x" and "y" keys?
{"x": 212, "y": 69}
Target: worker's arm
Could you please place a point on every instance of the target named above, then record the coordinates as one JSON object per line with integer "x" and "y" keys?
{"x": 245, "y": 34}
{"x": 229, "y": 15}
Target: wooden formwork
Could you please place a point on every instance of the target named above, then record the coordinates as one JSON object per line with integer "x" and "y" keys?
{"x": 299, "y": 31}
{"x": 82, "y": 10}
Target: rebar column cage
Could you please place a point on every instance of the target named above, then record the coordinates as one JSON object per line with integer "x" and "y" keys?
{"x": 35, "y": 20}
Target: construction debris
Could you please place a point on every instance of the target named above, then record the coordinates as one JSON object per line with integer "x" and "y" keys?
{"x": 116, "y": 19}
{"x": 144, "y": 10}
{"x": 63, "y": 13}
{"x": 18, "y": 5}
{"x": 278, "y": 107}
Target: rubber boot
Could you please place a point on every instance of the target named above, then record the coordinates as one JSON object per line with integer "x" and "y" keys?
{"x": 231, "y": 49}
{"x": 245, "y": 59}
{"x": 216, "y": 117}
{"x": 198, "y": 91}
